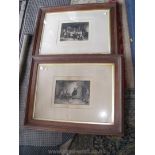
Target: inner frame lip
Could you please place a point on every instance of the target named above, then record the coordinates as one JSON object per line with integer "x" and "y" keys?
{"x": 62, "y": 64}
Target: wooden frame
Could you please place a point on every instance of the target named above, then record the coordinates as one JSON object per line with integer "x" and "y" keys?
{"x": 113, "y": 22}
{"x": 114, "y": 129}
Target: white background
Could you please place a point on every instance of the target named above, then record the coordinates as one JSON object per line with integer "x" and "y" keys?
{"x": 145, "y": 77}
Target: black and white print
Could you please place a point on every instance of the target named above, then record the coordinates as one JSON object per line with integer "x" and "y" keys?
{"x": 72, "y": 92}
{"x": 77, "y": 31}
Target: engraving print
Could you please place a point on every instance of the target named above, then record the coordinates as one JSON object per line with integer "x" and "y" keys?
{"x": 72, "y": 92}
{"x": 77, "y": 31}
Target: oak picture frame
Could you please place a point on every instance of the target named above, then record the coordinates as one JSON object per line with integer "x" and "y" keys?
{"x": 112, "y": 7}
{"x": 113, "y": 129}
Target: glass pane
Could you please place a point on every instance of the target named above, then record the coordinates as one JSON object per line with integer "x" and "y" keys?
{"x": 75, "y": 93}
{"x": 76, "y": 32}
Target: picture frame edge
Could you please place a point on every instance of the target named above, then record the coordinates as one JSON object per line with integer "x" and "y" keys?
{"x": 31, "y": 123}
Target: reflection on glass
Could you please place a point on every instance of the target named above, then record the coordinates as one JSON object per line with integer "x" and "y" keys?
{"x": 103, "y": 114}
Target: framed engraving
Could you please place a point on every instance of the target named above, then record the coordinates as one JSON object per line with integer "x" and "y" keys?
{"x": 76, "y": 94}
{"x": 77, "y": 29}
